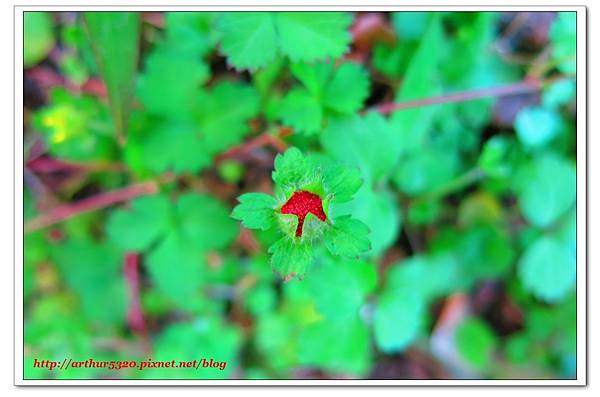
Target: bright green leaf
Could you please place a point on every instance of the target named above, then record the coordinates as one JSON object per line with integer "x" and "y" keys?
{"x": 115, "y": 38}
{"x": 255, "y": 210}
{"x": 38, "y": 37}
{"x": 347, "y": 237}
{"x": 547, "y": 269}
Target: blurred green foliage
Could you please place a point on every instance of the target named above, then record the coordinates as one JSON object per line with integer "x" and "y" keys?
{"x": 424, "y": 205}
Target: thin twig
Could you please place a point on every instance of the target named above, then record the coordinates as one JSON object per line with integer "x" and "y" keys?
{"x": 99, "y": 201}
{"x": 264, "y": 139}
{"x": 522, "y": 87}
{"x": 135, "y": 316}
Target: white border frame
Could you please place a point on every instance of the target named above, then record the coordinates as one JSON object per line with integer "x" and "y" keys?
{"x": 582, "y": 163}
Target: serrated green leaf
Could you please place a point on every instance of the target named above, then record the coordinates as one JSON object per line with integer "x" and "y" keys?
{"x": 115, "y": 38}
{"x": 342, "y": 182}
{"x": 347, "y": 237}
{"x": 475, "y": 342}
{"x": 301, "y": 111}
{"x": 255, "y": 210}
{"x": 547, "y": 269}
{"x": 310, "y": 36}
{"x": 252, "y": 39}
{"x": 38, "y": 37}
{"x": 291, "y": 168}
{"x": 348, "y": 89}
{"x": 249, "y": 39}
{"x": 546, "y": 189}
{"x": 376, "y": 209}
{"x": 314, "y": 76}
{"x": 170, "y": 84}
{"x": 290, "y": 258}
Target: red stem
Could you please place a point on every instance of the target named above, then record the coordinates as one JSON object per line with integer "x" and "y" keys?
{"x": 135, "y": 318}
{"x": 102, "y": 200}
{"x": 521, "y": 87}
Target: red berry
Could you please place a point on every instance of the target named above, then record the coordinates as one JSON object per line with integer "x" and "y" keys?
{"x": 300, "y": 204}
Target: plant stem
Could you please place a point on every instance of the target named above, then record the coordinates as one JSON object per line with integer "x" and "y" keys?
{"x": 99, "y": 201}
{"x": 458, "y": 183}
{"x": 522, "y": 87}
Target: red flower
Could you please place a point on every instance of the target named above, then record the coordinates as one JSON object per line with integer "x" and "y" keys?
{"x": 300, "y": 204}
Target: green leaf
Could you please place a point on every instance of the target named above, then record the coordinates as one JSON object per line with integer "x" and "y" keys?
{"x": 485, "y": 251}
{"x": 38, "y": 37}
{"x": 342, "y": 182}
{"x": 420, "y": 81}
{"x": 410, "y": 25}
{"x": 255, "y": 210}
{"x": 249, "y": 39}
{"x": 376, "y": 209}
{"x": 141, "y": 225}
{"x": 291, "y": 169}
{"x": 425, "y": 276}
{"x": 398, "y": 320}
{"x": 184, "y": 342}
{"x": 559, "y": 93}
{"x": 563, "y": 36}
{"x": 475, "y": 342}
{"x": 76, "y": 128}
{"x": 348, "y": 89}
{"x": 347, "y": 237}
{"x": 115, "y": 38}
{"x": 223, "y": 115}
{"x": 537, "y": 126}
{"x": 339, "y": 287}
{"x": 290, "y": 257}
{"x": 546, "y": 189}
{"x": 190, "y": 32}
{"x": 301, "y": 111}
{"x": 424, "y": 171}
{"x": 217, "y": 121}
{"x": 176, "y": 268}
{"x": 311, "y": 36}
{"x": 96, "y": 279}
{"x": 547, "y": 269}
{"x": 366, "y": 142}
{"x": 170, "y": 145}
{"x": 327, "y": 91}
{"x": 335, "y": 347}
{"x": 205, "y": 221}
{"x": 170, "y": 84}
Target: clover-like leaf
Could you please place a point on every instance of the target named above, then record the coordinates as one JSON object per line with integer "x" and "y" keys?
{"x": 253, "y": 39}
